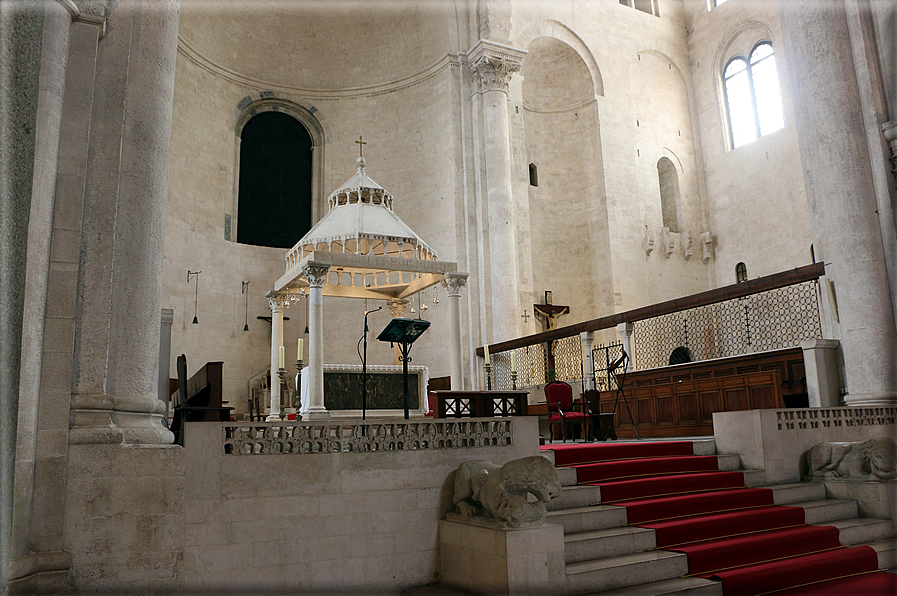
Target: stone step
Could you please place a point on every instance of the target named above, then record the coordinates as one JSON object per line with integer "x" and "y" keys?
{"x": 785, "y": 494}
{"x": 681, "y": 586}
{"x": 862, "y": 530}
{"x": 575, "y": 496}
{"x": 754, "y": 478}
{"x": 566, "y": 476}
{"x": 887, "y": 552}
{"x": 819, "y": 512}
{"x": 609, "y": 542}
{"x": 729, "y": 463}
{"x": 584, "y": 519}
{"x": 588, "y": 577}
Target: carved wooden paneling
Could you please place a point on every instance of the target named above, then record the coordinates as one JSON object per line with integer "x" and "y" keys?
{"x": 686, "y": 408}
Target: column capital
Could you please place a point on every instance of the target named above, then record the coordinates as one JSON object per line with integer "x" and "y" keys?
{"x": 454, "y": 282}
{"x": 316, "y": 273}
{"x": 275, "y": 300}
{"x": 396, "y": 307}
{"x": 492, "y": 65}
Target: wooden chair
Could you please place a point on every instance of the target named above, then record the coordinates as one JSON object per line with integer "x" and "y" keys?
{"x": 561, "y": 409}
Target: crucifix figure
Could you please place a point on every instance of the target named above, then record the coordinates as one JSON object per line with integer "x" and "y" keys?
{"x": 550, "y": 313}
{"x": 361, "y": 145}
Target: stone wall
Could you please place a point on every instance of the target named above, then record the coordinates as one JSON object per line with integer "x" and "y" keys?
{"x": 303, "y": 522}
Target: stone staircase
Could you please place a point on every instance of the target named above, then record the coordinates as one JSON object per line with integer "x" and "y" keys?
{"x": 604, "y": 556}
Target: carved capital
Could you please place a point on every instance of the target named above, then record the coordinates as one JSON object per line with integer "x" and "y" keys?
{"x": 454, "y": 282}
{"x": 275, "y": 301}
{"x": 688, "y": 245}
{"x": 396, "y": 307}
{"x": 316, "y": 273}
{"x": 492, "y": 65}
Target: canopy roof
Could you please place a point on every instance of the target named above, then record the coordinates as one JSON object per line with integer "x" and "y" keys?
{"x": 372, "y": 253}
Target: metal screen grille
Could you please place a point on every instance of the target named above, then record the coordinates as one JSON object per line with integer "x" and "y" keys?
{"x": 537, "y": 364}
{"x": 770, "y": 320}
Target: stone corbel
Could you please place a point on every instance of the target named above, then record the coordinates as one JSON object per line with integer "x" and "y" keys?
{"x": 687, "y": 245}
{"x": 669, "y": 242}
{"x": 492, "y": 65}
{"x": 649, "y": 241}
{"x": 707, "y": 244}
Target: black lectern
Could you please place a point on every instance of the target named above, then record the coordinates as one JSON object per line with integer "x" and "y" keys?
{"x": 404, "y": 332}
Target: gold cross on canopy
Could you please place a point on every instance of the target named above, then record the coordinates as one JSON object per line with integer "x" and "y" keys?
{"x": 361, "y": 145}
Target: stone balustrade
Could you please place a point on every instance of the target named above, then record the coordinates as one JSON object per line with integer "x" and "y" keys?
{"x": 290, "y": 437}
{"x": 813, "y": 418}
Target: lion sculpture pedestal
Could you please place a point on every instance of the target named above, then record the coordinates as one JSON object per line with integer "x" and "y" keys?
{"x": 496, "y": 542}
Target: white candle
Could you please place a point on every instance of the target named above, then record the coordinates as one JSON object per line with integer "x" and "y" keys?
{"x": 299, "y": 351}
{"x": 281, "y": 357}
{"x": 514, "y": 361}
{"x": 486, "y": 353}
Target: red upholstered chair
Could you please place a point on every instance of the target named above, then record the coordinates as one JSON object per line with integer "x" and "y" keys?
{"x": 560, "y": 407}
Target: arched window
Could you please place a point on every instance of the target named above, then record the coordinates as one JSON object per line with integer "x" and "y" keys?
{"x": 753, "y": 99}
{"x": 275, "y": 181}
{"x": 740, "y": 272}
{"x": 669, "y": 193}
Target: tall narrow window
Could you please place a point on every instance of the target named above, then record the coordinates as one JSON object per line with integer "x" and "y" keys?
{"x": 753, "y": 98}
{"x": 669, "y": 193}
{"x": 740, "y": 272}
{"x": 275, "y": 181}
{"x": 533, "y": 175}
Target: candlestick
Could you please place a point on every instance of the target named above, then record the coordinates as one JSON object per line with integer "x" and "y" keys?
{"x": 299, "y": 351}
{"x": 513, "y": 362}
{"x": 282, "y": 373}
{"x": 488, "y": 369}
{"x": 300, "y": 364}
{"x": 486, "y": 353}
{"x": 281, "y": 358}
{"x": 514, "y": 379}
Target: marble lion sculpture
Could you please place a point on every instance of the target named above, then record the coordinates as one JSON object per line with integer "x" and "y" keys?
{"x": 485, "y": 488}
{"x": 875, "y": 459}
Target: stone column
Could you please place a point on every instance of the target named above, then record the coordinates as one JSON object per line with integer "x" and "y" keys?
{"x": 396, "y": 309}
{"x": 840, "y": 192}
{"x": 588, "y": 367}
{"x": 275, "y": 304}
{"x": 120, "y": 273}
{"x": 316, "y": 273}
{"x": 21, "y": 27}
{"x": 454, "y": 282}
{"x": 625, "y": 331}
{"x": 492, "y": 66}
{"x": 165, "y": 357}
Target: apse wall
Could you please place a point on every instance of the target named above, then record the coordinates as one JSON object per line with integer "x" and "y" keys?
{"x": 642, "y": 112}
{"x": 758, "y": 207}
{"x": 405, "y": 123}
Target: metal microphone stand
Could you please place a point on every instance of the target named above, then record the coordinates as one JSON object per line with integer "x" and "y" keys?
{"x": 364, "y": 366}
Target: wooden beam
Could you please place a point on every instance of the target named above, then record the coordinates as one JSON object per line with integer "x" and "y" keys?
{"x": 738, "y": 290}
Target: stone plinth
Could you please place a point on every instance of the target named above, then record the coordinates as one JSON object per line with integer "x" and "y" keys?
{"x": 496, "y": 560}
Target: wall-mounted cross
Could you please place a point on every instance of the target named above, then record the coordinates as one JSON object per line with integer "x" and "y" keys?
{"x": 361, "y": 145}
{"x": 526, "y": 317}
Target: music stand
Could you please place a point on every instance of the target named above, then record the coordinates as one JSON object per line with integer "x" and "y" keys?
{"x": 620, "y": 380}
{"x": 404, "y": 332}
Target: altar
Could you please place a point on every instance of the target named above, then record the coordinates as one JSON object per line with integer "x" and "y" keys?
{"x": 342, "y": 386}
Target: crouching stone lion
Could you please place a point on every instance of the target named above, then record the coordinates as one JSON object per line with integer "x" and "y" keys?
{"x": 485, "y": 488}
{"x": 875, "y": 459}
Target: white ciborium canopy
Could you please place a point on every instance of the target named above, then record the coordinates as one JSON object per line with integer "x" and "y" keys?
{"x": 362, "y": 249}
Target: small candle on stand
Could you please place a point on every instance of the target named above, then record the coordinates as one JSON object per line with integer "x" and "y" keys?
{"x": 299, "y": 351}
{"x": 281, "y": 357}
{"x": 514, "y": 361}
{"x": 486, "y": 353}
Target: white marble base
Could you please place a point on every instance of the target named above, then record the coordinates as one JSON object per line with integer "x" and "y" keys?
{"x": 495, "y": 560}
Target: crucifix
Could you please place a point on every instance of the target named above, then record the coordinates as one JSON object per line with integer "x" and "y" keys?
{"x": 526, "y": 317}
{"x": 361, "y": 145}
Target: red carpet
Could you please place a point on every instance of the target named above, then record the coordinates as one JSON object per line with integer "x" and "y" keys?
{"x": 584, "y": 453}
{"x": 623, "y": 490}
{"x": 771, "y": 577}
{"x": 724, "y": 525}
{"x": 730, "y": 533}
{"x": 728, "y": 553}
{"x": 640, "y": 468}
{"x": 648, "y": 510}
{"x": 878, "y": 583}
